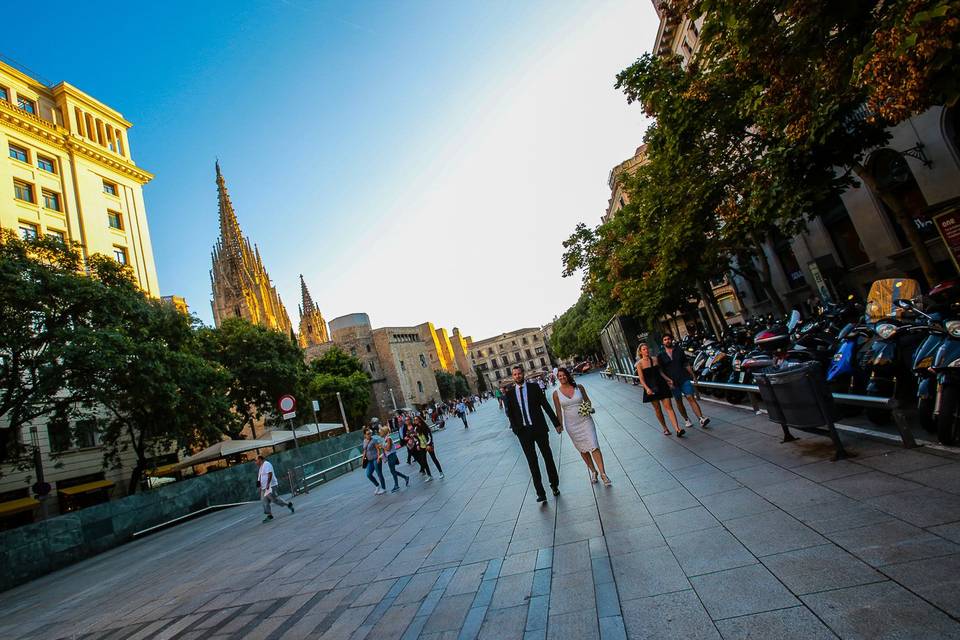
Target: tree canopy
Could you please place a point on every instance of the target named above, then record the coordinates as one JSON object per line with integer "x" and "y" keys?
{"x": 772, "y": 119}
{"x": 334, "y": 371}
{"x": 263, "y": 364}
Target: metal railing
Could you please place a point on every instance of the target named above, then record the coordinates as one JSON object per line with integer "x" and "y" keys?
{"x": 868, "y": 402}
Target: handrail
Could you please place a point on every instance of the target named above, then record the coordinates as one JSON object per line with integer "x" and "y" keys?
{"x": 870, "y": 402}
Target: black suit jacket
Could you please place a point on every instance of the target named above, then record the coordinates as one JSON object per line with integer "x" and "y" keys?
{"x": 536, "y": 405}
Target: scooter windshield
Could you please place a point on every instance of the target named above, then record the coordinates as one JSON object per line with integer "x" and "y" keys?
{"x": 881, "y": 301}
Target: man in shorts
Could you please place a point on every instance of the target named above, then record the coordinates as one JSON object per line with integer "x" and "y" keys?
{"x": 674, "y": 363}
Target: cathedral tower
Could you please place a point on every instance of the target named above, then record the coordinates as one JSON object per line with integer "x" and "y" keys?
{"x": 241, "y": 286}
{"x": 313, "y": 328}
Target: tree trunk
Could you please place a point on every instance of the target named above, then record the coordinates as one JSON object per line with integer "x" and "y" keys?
{"x": 711, "y": 302}
{"x": 766, "y": 280}
{"x": 135, "y": 475}
{"x": 920, "y": 249}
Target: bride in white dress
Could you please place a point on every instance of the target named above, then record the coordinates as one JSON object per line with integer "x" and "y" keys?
{"x": 581, "y": 429}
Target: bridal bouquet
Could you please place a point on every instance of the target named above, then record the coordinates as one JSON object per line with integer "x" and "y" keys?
{"x": 586, "y": 408}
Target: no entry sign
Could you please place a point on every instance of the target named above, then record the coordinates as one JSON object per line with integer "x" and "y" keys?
{"x": 286, "y": 403}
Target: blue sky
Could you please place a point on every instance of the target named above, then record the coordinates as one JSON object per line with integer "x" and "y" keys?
{"x": 414, "y": 160}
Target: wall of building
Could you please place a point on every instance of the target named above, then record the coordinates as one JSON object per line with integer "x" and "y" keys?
{"x": 496, "y": 356}
{"x": 82, "y": 162}
{"x": 406, "y": 357}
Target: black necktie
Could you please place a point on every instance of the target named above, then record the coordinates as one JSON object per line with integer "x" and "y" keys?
{"x": 523, "y": 405}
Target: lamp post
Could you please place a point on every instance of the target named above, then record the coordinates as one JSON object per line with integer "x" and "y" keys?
{"x": 393, "y": 400}
{"x": 343, "y": 414}
{"x": 40, "y": 488}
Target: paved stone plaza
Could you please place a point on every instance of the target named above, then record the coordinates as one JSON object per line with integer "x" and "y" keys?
{"x": 726, "y": 533}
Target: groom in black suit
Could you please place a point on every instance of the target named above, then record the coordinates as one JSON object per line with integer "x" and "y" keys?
{"x": 525, "y": 404}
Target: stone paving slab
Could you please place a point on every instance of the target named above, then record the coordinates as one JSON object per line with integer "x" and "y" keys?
{"x": 726, "y": 533}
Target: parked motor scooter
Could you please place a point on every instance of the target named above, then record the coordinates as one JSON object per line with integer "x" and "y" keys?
{"x": 889, "y": 362}
{"x": 946, "y": 366}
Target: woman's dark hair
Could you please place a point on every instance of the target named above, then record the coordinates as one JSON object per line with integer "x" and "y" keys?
{"x": 566, "y": 371}
{"x": 422, "y": 427}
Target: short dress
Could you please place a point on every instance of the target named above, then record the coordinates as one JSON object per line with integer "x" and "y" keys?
{"x": 661, "y": 391}
{"x": 581, "y": 429}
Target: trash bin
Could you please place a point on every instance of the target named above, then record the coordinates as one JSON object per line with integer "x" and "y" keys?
{"x": 796, "y": 395}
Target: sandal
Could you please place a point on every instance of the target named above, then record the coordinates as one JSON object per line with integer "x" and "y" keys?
{"x": 681, "y": 433}
{"x": 665, "y": 432}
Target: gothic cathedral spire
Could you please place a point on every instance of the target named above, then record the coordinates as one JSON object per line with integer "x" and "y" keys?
{"x": 313, "y": 328}
{"x": 241, "y": 286}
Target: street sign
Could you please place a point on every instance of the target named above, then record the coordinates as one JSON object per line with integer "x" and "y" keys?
{"x": 820, "y": 283}
{"x": 290, "y": 415}
{"x": 948, "y": 224}
{"x": 287, "y": 403}
{"x": 316, "y": 405}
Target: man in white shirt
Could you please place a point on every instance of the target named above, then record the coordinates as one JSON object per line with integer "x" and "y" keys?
{"x": 267, "y": 481}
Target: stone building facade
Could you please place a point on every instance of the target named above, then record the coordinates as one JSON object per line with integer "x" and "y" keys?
{"x": 240, "y": 283}
{"x": 69, "y": 173}
{"x": 494, "y": 357}
{"x": 401, "y": 361}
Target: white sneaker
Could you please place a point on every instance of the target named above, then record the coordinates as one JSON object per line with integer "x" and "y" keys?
{"x": 687, "y": 424}
{"x": 704, "y": 421}
{"x": 428, "y": 479}
{"x": 441, "y": 476}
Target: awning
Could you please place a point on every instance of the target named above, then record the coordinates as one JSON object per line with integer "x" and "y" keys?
{"x": 86, "y": 487}
{"x": 165, "y": 470}
{"x": 222, "y": 450}
{"x": 16, "y": 506}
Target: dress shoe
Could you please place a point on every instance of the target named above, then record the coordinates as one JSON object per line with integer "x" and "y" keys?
{"x": 541, "y": 498}
{"x": 556, "y": 491}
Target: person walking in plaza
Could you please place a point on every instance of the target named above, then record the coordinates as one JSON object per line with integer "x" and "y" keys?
{"x": 425, "y": 437}
{"x": 499, "y": 396}
{"x": 676, "y": 366}
{"x": 575, "y": 410}
{"x": 370, "y": 456}
{"x": 462, "y": 412}
{"x": 404, "y": 432}
{"x": 656, "y": 389}
{"x": 387, "y": 453}
{"x": 418, "y": 452}
{"x": 526, "y": 405}
{"x": 267, "y": 481}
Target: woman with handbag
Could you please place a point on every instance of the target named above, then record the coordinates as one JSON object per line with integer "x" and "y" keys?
{"x": 425, "y": 437}
{"x": 576, "y": 414}
{"x": 370, "y": 455}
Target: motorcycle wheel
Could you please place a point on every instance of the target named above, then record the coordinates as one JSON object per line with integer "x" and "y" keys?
{"x": 947, "y": 418}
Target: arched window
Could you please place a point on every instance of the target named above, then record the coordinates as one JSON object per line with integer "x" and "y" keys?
{"x": 894, "y": 178}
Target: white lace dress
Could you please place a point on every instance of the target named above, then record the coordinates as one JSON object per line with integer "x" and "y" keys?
{"x": 581, "y": 429}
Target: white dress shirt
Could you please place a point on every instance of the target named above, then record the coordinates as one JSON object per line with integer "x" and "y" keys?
{"x": 524, "y": 406}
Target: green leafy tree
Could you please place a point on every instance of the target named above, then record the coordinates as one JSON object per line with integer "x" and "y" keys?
{"x": 447, "y": 384}
{"x": 461, "y": 386}
{"x": 45, "y": 302}
{"x": 820, "y": 82}
{"x": 263, "y": 364}
{"x": 481, "y": 381}
{"x": 576, "y": 333}
{"x": 151, "y": 389}
{"x": 337, "y": 371}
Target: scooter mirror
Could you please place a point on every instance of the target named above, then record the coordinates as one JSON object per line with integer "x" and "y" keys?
{"x": 904, "y": 304}
{"x": 846, "y": 329}
{"x": 794, "y": 320}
